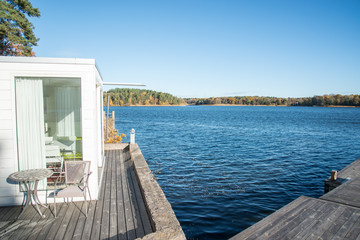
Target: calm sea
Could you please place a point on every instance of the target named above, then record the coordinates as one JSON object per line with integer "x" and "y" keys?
{"x": 225, "y": 168}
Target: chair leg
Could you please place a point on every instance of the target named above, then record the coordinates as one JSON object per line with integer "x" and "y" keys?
{"x": 86, "y": 204}
{"x": 89, "y": 192}
{"x": 54, "y": 206}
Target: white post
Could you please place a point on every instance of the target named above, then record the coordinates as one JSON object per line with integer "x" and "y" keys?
{"x": 132, "y": 136}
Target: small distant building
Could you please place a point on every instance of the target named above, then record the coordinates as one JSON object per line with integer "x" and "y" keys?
{"x": 49, "y": 108}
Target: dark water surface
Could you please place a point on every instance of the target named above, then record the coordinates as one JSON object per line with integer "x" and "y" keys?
{"x": 225, "y": 168}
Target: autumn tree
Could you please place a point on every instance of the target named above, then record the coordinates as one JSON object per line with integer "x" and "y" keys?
{"x": 16, "y": 31}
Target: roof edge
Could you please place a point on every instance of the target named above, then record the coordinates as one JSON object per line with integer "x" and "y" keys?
{"x": 47, "y": 60}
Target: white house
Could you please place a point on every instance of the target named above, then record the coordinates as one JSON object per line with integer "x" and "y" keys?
{"x": 48, "y": 107}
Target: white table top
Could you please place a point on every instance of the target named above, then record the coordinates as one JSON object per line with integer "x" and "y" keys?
{"x": 31, "y": 175}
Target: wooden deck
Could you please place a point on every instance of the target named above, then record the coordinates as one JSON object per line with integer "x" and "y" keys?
{"x": 119, "y": 213}
{"x": 335, "y": 215}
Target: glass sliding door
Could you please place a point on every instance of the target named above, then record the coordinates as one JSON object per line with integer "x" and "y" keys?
{"x": 63, "y": 117}
{"x": 48, "y": 121}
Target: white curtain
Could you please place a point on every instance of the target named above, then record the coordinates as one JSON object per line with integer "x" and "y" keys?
{"x": 68, "y": 111}
{"x": 30, "y": 124}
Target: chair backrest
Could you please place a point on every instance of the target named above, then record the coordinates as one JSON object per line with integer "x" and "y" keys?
{"x": 77, "y": 171}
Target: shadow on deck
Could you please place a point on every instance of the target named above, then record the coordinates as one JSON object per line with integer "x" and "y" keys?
{"x": 120, "y": 212}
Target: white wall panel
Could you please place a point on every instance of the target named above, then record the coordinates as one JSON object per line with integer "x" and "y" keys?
{"x": 5, "y": 94}
{"x": 5, "y": 104}
{"x": 7, "y": 163}
{"x": 6, "y": 124}
{"x": 7, "y": 153}
{"x": 4, "y": 74}
{"x": 6, "y": 114}
{"x": 6, "y": 134}
{"x": 6, "y": 144}
{"x": 5, "y": 84}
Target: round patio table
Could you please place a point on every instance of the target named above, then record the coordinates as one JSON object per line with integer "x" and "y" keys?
{"x": 27, "y": 177}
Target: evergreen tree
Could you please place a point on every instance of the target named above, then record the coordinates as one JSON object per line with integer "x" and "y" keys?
{"x": 16, "y": 31}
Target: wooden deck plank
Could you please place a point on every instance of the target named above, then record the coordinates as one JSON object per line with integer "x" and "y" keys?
{"x": 303, "y": 230}
{"x": 323, "y": 224}
{"x": 139, "y": 229}
{"x": 119, "y": 213}
{"x": 284, "y": 223}
{"x": 105, "y": 220}
{"x": 345, "y": 228}
{"x": 350, "y": 171}
{"x": 40, "y": 223}
{"x": 144, "y": 215}
{"x": 275, "y": 218}
{"x": 4, "y": 221}
{"x": 29, "y": 216}
{"x": 73, "y": 221}
{"x": 10, "y": 229}
{"x": 79, "y": 230}
{"x": 13, "y": 214}
{"x": 353, "y": 232}
{"x": 56, "y": 224}
{"x": 130, "y": 227}
{"x": 43, "y": 225}
{"x": 120, "y": 199}
{"x": 294, "y": 226}
{"x": 4, "y": 211}
{"x": 89, "y": 220}
{"x": 338, "y": 222}
{"x": 65, "y": 222}
{"x": 95, "y": 231}
{"x": 348, "y": 193}
{"x": 113, "y": 228}
{"x": 15, "y": 228}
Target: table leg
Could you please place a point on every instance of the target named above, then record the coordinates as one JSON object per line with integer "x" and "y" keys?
{"x": 36, "y": 199}
{"x": 28, "y": 198}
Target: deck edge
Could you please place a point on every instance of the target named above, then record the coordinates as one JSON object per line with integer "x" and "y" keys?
{"x": 162, "y": 217}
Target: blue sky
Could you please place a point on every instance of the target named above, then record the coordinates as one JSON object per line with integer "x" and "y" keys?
{"x": 205, "y": 48}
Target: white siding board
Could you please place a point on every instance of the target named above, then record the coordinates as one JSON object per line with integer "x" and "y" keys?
{"x": 6, "y": 124}
{"x": 5, "y": 183}
{"x": 6, "y": 114}
{"x": 7, "y": 163}
{"x": 6, "y": 191}
{"x": 5, "y": 84}
{"x": 6, "y": 144}
{"x": 5, "y": 104}
{"x": 6, "y": 134}
{"x": 11, "y": 201}
{"x": 5, "y": 94}
{"x": 4, "y": 75}
{"x": 7, "y": 153}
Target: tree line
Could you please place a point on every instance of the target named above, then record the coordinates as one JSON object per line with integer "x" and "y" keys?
{"x": 142, "y": 97}
{"x": 325, "y": 100}
{"x": 130, "y": 97}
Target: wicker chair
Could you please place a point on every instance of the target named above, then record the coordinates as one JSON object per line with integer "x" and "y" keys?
{"x": 76, "y": 179}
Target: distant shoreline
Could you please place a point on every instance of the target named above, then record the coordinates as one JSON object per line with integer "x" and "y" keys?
{"x": 230, "y": 105}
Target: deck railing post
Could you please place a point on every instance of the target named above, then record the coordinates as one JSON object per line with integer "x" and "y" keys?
{"x": 113, "y": 119}
{"x": 132, "y": 136}
{"x": 333, "y": 175}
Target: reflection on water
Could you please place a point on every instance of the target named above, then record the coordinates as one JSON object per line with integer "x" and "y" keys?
{"x": 225, "y": 168}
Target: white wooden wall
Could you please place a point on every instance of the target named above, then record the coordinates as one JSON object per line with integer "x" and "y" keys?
{"x": 11, "y": 67}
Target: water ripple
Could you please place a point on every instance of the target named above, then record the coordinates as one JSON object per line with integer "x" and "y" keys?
{"x": 225, "y": 168}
